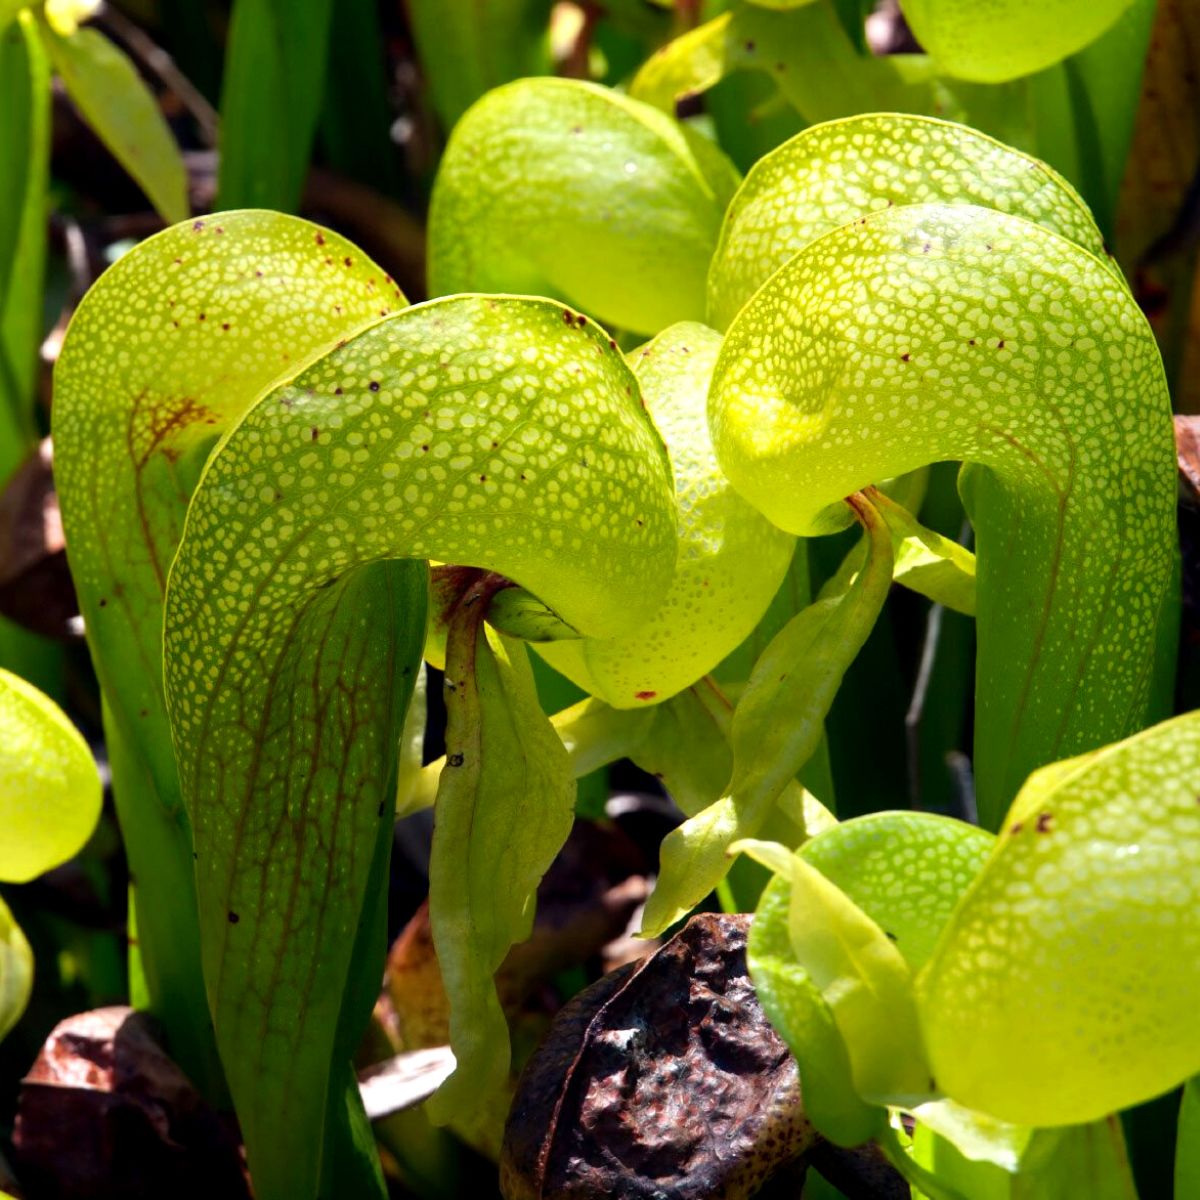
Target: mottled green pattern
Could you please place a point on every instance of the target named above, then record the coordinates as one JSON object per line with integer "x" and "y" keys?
{"x": 835, "y": 173}
{"x": 498, "y": 432}
{"x": 170, "y": 345}
{"x": 989, "y": 41}
{"x": 1065, "y": 986}
{"x": 568, "y": 189}
{"x": 930, "y": 332}
{"x": 906, "y": 871}
{"x": 731, "y": 560}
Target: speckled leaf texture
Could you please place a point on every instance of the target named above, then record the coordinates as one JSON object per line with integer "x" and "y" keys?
{"x": 569, "y": 189}
{"x": 1065, "y": 985}
{"x": 932, "y": 331}
{"x": 496, "y": 432}
{"x": 989, "y": 41}
{"x": 172, "y": 343}
{"x": 838, "y": 172}
{"x": 731, "y": 559}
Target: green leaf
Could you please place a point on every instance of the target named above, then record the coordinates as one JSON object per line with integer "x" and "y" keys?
{"x": 990, "y": 43}
{"x": 805, "y": 1022}
{"x": 1187, "y": 1142}
{"x": 218, "y": 308}
{"x": 777, "y": 726}
{"x": 906, "y": 871}
{"x": 49, "y": 788}
{"x": 567, "y": 189}
{"x": 808, "y": 54}
{"x": 926, "y": 562}
{"x": 24, "y": 174}
{"x": 843, "y": 369}
{"x": 16, "y": 971}
{"x": 731, "y": 560}
{"x": 274, "y": 84}
{"x": 1077, "y": 942}
{"x": 504, "y": 809}
{"x": 474, "y": 430}
{"x": 467, "y": 49}
{"x": 125, "y": 115}
{"x": 843, "y": 171}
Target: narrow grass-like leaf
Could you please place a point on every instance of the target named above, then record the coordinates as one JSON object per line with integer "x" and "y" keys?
{"x": 731, "y": 560}
{"x": 778, "y": 724}
{"x": 24, "y": 171}
{"x": 840, "y": 172}
{"x": 467, "y": 49}
{"x": 1077, "y": 942}
{"x": 474, "y": 430}
{"x": 271, "y": 97}
{"x": 123, "y": 112}
{"x": 567, "y": 189}
{"x": 504, "y": 809}
{"x": 217, "y": 308}
{"x": 1187, "y": 1141}
{"x": 934, "y": 332}
{"x": 990, "y": 43}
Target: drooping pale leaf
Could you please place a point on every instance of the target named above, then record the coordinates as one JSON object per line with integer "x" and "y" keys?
{"x": 928, "y": 563}
{"x": 466, "y": 49}
{"x": 840, "y": 172}
{"x": 125, "y": 115}
{"x": 16, "y": 971}
{"x": 49, "y": 788}
{"x": 563, "y": 188}
{"x": 1002, "y": 39}
{"x": 803, "y": 1019}
{"x": 475, "y": 430}
{"x": 504, "y": 809}
{"x": 24, "y": 162}
{"x": 215, "y": 309}
{"x": 806, "y": 52}
{"x": 731, "y": 560}
{"x": 777, "y": 726}
{"x": 271, "y": 96}
{"x": 933, "y": 332}
{"x": 1076, "y": 944}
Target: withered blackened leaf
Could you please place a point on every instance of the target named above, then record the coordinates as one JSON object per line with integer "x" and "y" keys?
{"x": 664, "y": 1079}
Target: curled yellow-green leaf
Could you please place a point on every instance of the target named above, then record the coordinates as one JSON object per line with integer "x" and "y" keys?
{"x": 1063, "y": 987}
{"x": 931, "y": 332}
{"x": 730, "y": 560}
{"x": 49, "y": 787}
{"x": 841, "y": 171}
{"x": 568, "y": 189}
